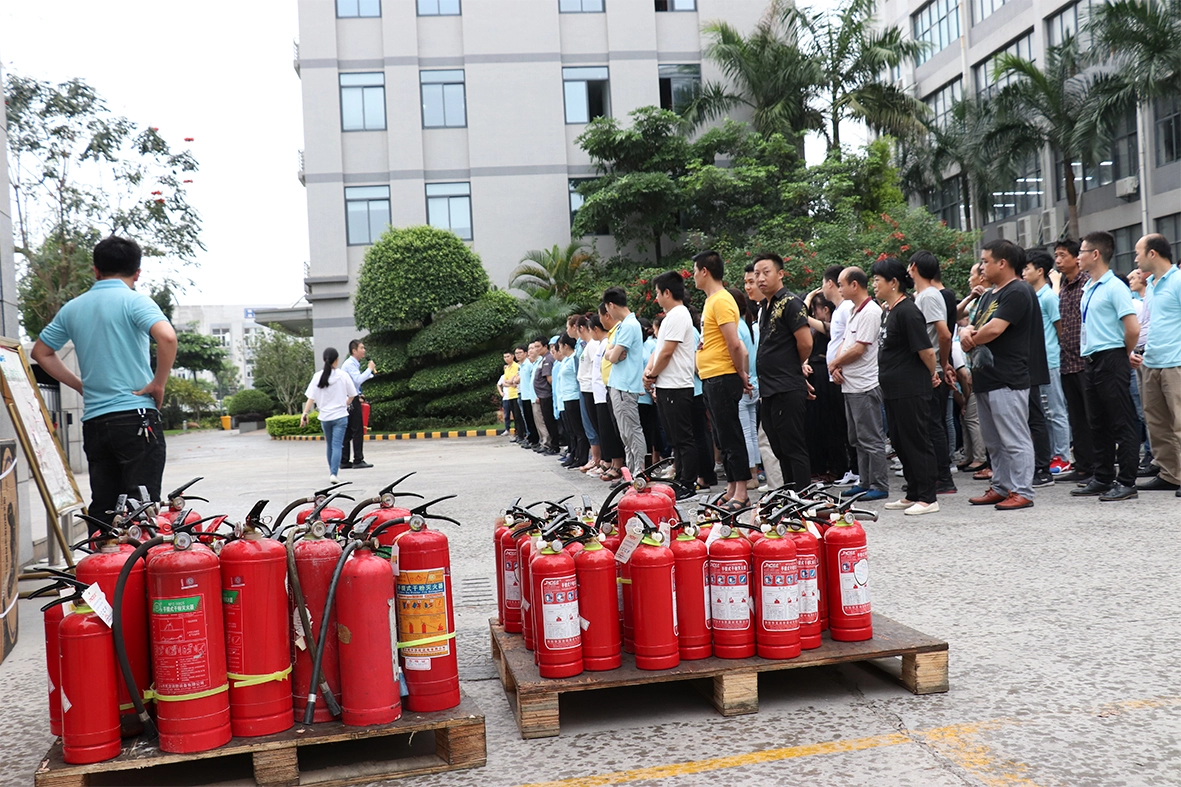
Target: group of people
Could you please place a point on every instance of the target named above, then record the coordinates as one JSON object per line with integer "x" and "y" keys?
{"x": 1046, "y": 371}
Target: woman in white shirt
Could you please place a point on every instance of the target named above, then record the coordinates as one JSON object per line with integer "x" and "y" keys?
{"x": 330, "y": 391}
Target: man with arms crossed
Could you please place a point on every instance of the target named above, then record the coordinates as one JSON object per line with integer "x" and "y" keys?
{"x": 1162, "y": 361}
{"x": 670, "y": 372}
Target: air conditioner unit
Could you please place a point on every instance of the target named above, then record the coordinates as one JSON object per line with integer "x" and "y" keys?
{"x": 1048, "y": 226}
{"x": 1024, "y": 231}
{"x": 1127, "y": 188}
{"x": 1007, "y": 231}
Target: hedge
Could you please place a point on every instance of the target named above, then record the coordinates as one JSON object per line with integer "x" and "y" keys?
{"x": 385, "y": 388}
{"x": 250, "y": 400}
{"x": 462, "y": 404}
{"x": 416, "y": 424}
{"x": 481, "y": 370}
{"x": 285, "y": 425}
{"x": 388, "y": 355}
{"x": 458, "y": 333}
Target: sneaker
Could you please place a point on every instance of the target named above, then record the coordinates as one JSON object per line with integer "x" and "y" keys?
{"x": 764, "y": 487}
{"x": 1073, "y": 476}
{"x": 1059, "y": 465}
{"x": 345, "y": 465}
{"x": 1042, "y": 478}
{"x": 848, "y": 479}
{"x": 1147, "y": 470}
{"x": 918, "y": 509}
{"x": 899, "y": 505}
{"x": 762, "y": 477}
{"x": 874, "y": 494}
{"x": 899, "y": 474}
{"x": 332, "y": 479}
{"x": 896, "y": 464}
{"x": 361, "y": 465}
{"x": 856, "y": 490}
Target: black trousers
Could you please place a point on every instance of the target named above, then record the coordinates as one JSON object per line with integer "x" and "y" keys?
{"x": 551, "y": 421}
{"x": 1039, "y": 431}
{"x": 512, "y": 415}
{"x": 908, "y": 419}
{"x": 675, "y": 406}
{"x": 610, "y": 444}
{"x": 530, "y": 433}
{"x": 703, "y": 439}
{"x": 354, "y": 434}
{"x": 650, "y": 423}
{"x": 937, "y": 429}
{"x": 836, "y": 430}
{"x": 783, "y": 421}
{"x": 1114, "y": 423}
{"x": 122, "y": 458}
{"x": 572, "y": 419}
{"x": 721, "y": 396}
{"x": 1074, "y": 387}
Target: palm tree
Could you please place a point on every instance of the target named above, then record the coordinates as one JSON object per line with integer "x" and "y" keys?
{"x": 1053, "y": 106}
{"x": 550, "y": 272}
{"x": 1142, "y": 39}
{"x": 541, "y": 316}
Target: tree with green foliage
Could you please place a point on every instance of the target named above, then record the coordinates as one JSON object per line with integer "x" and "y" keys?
{"x": 78, "y": 173}
{"x": 1142, "y": 40}
{"x": 184, "y": 397}
{"x": 466, "y": 330}
{"x": 543, "y": 317}
{"x": 196, "y": 352}
{"x": 250, "y": 401}
{"x": 283, "y": 364}
{"x": 550, "y": 272}
{"x": 410, "y": 274}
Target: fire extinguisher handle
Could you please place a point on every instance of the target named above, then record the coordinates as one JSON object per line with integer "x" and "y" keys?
{"x": 386, "y": 490}
{"x": 180, "y": 490}
{"x": 861, "y": 513}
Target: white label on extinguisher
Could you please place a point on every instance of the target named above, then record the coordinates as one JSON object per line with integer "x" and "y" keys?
{"x": 780, "y": 595}
{"x": 583, "y": 623}
{"x": 730, "y": 594}
{"x": 619, "y": 588}
{"x": 559, "y": 613}
{"x": 417, "y": 665}
{"x": 705, "y": 582}
{"x": 97, "y": 600}
{"x": 297, "y": 629}
{"x": 676, "y": 628}
{"x": 512, "y": 585}
{"x": 809, "y": 589}
{"x": 66, "y": 704}
{"x": 395, "y": 554}
{"x": 627, "y": 547}
{"x": 393, "y": 604}
{"x": 854, "y": 567}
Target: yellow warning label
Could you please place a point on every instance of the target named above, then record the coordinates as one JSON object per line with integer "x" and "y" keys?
{"x": 422, "y": 611}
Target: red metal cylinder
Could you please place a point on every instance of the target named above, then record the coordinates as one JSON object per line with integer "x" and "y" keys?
{"x": 103, "y": 567}
{"x": 654, "y": 607}
{"x": 777, "y": 602}
{"x": 660, "y": 508}
{"x": 808, "y": 560}
{"x": 822, "y": 573}
{"x": 328, "y": 515}
{"x": 732, "y": 608}
{"x": 510, "y": 571}
{"x": 426, "y": 614}
{"x": 315, "y": 560}
{"x": 557, "y": 634}
{"x": 258, "y": 635}
{"x": 366, "y": 632}
{"x": 53, "y": 669}
{"x": 89, "y": 692}
{"x": 524, "y": 556}
{"x": 850, "y": 618}
{"x": 189, "y": 651}
{"x": 694, "y": 635}
{"x": 498, "y": 556}
{"x": 597, "y": 605}
{"x": 387, "y": 537}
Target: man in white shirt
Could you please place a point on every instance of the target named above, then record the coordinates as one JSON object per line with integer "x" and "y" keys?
{"x": 856, "y": 369}
{"x": 354, "y": 433}
{"x": 670, "y": 372}
{"x": 842, "y": 310}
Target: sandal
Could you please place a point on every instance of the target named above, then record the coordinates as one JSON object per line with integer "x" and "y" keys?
{"x": 611, "y": 474}
{"x": 735, "y": 505}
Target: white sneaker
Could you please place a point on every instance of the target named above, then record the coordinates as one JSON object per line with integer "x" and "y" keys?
{"x": 922, "y": 508}
{"x": 899, "y": 474}
{"x": 764, "y": 487}
{"x": 899, "y": 505}
{"x": 332, "y": 479}
{"x": 849, "y": 479}
{"x": 896, "y": 464}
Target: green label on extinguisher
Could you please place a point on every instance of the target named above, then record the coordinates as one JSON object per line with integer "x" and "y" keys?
{"x": 229, "y": 596}
{"x": 175, "y": 606}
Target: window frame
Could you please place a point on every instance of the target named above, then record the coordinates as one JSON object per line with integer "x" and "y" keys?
{"x": 358, "y": 15}
{"x": 946, "y": 200}
{"x": 1167, "y": 130}
{"x": 949, "y": 94}
{"x": 984, "y": 67}
{"x": 948, "y": 21}
{"x": 978, "y": 6}
{"x": 1088, "y": 178}
{"x": 586, "y": 81}
{"x": 1123, "y": 260}
{"x": 368, "y": 201}
{"x": 1023, "y": 201}
{"x": 418, "y": 8}
{"x": 670, "y": 10}
{"x": 684, "y": 77}
{"x": 363, "y": 88}
{"x": 422, "y": 89}
{"x": 1170, "y": 226}
{"x": 458, "y": 195}
{"x": 582, "y": 10}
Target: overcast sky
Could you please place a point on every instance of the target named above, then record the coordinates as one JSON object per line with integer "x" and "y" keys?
{"x": 217, "y": 71}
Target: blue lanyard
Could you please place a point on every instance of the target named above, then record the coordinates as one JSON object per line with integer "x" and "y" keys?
{"x": 1087, "y": 305}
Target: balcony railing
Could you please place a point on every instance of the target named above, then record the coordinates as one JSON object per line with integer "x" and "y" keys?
{"x": 300, "y": 174}
{"x": 295, "y": 61}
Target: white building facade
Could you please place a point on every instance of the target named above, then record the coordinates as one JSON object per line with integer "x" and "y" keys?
{"x": 965, "y": 37}
{"x": 463, "y": 114}
{"x": 232, "y": 326}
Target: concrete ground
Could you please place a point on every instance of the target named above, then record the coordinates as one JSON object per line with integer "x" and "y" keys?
{"x": 1064, "y": 641}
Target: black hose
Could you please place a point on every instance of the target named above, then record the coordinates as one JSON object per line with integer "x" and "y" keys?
{"x": 283, "y": 514}
{"x": 310, "y": 710}
{"x": 305, "y": 619}
{"x": 352, "y": 517}
{"x": 149, "y": 732}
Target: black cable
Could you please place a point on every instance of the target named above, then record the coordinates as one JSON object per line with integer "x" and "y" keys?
{"x": 310, "y": 710}
{"x": 149, "y": 732}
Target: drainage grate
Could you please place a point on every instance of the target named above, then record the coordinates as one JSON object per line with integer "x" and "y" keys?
{"x": 476, "y": 592}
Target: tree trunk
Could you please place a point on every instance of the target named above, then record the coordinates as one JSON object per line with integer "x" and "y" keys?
{"x": 1071, "y": 194}
{"x": 656, "y": 246}
{"x": 966, "y": 196}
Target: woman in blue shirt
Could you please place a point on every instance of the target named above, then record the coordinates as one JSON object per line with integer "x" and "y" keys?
{"x": 566, "y": 391}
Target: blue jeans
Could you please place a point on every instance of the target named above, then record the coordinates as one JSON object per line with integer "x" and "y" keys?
{"x": 1054, "y": 402}
{"x": 334, "y": 439}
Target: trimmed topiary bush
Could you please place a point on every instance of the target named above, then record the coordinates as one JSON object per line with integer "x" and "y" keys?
{"x": 386, "y": 387}
{"x": 481, "y": 370}
{"x": 476, "y": 326}
{"x": 465, "y": 404}
{"x": 286, "y": 425}
{"x": 250, "y": 400}
{"x": 387, "y": 353}
{"x": 410, "y": 274}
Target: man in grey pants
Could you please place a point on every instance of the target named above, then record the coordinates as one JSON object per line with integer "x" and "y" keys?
{"x": 855, "y": 367}
{"x": 626, "y": 381}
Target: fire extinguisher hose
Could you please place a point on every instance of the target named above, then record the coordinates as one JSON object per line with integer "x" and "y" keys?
{"x": 310, "y": 710}
{"x": 149, "y": 732}
{"x": 306, "y": 620}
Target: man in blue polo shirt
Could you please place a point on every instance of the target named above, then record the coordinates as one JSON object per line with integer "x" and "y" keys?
{"x": 1162, "y": 361}
{"x": 627, "y": 371}
{"x": 1110, "y": 331}
{"x": 110, "y": 325}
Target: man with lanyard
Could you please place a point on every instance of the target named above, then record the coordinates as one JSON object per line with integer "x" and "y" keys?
{"x": 625, "y": 381}
{"x": 354, "y": 433}
{"x": 1110, "y": 331}
{"x": 785, "y": 344}
{"x": 1162, "y": 361}
{"x": 1070, "y": 293}
{"x": 110, "y": 324}
{"x": 525, "y": 395}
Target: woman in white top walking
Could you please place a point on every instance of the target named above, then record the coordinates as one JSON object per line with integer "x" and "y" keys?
{"x": 331, "y": 390}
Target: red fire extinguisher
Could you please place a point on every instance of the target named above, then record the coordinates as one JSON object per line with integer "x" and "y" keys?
{"x": 777, "y": 598}
{"x": 557, "y": 633}
{"x": 315, "y": 557}
{"x": 426, "y": 616}
{"x": 808, "y": 559}
{"x": 53, "y": 619}
{"x": 387, "y": 510}
{"x": 258, "y": 636}
{"x": 691, "y": 559}
{"x": 524, "y": 536}
{"x": 732, "y": 608}
{"x": 365, "y": 414}
{"x": 176, "y": 502}
{"x": 598, "y": 605}
{"x": 850, "y": 618}
{"x": 654, "y": 597}
{"x": 659, "y": 508}
{"x": 317, "y": 500}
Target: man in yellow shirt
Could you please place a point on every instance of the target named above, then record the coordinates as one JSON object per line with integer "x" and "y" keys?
{"x": 509, "y": 395}
{"x": 722, "y": 365}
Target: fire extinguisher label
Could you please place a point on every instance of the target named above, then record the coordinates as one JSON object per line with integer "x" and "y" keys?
{"x": 180, "y": 643}
{"x": 676, "y": 628}
{"x": 705, "y": 582}
{"x": 730, "y": 594}
{"x": 559, "y": 611}
{"x": 780, "y": 595}
{"x": 232, "y": 612}
{"x": 809, "y": 589}
{"x": 512, "y": 585}
{"x": 422, "y": 611}
{"x": 854, "y": 566}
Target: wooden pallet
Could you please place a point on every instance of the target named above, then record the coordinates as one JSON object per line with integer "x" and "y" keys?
{"x": 327, "y": 754}
{"x": 734, "y": 685}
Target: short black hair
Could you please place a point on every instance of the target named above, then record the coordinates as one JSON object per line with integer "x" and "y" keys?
{"x": 522, "y": 348}
{"x": 672, "y": 283}
{"x": 544, "y": 342}
{"x": 567, "y": 340}
{"x": 925, "y": 264}
{"x": 1104, "y": 243}
{"x": 857, "y": 276}
{"x": 833, "y": 273}
{"x": 595, "y": 322}
{"x": 353, "y": 345}
{"x": 1160, "y": 244}
{"x": 115, "y": 256}
{"x": 1071, "y": 246}
{"x": 711, "y": 263}
{"x": 1040, "y": 258}
{"x": 740, "y": 299}
{"x": 891, "y": 269}
{"x": 770, "y": 255}
{"x": 645, "y": 327}
{"x": 615, "y": 295}
{"x": 1007, "y": 250}
{"x": 750, "y": 268}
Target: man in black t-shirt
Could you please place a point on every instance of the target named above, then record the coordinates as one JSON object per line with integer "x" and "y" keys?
{"x": 1000, "y": 342}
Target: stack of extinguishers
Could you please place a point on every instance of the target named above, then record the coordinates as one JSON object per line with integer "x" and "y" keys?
{"x": 182, "y": 628}
{"x": 583, "y": 586}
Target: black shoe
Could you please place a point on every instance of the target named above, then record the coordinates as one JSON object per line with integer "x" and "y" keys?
{"x": 1073, "y": 477}
{"x": 550, "y": 452}
{"x": 346, "y": 465}
{"x": 1092, "y": 489}
{"x": 949, "y": 489}
{"x": 1158, "y": 484}
{"x": 1120, "y": 491}
{"x": 683, "y": 493}
{"x": 361, "y": 465}
{"x": 514, "y": 439}
{"x": 1147, "y": 470}
{"x": 1042, "y": 478}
